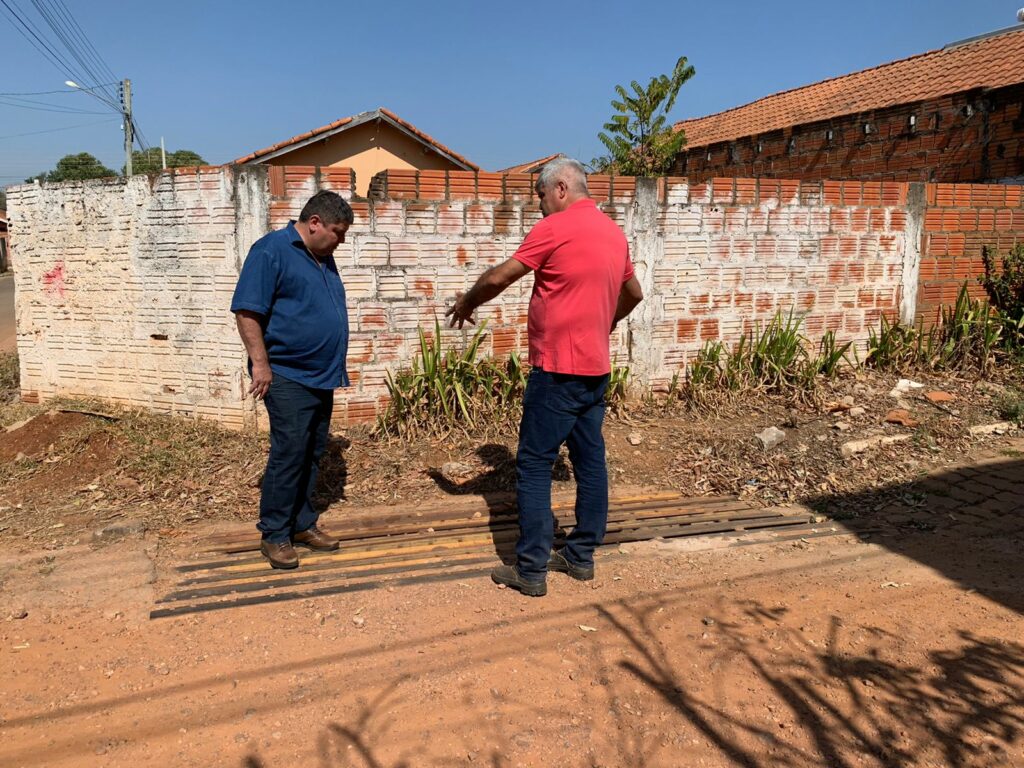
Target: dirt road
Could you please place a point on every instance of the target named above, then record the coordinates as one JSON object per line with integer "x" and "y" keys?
{"x": 7, "y": 331}
{"x": 905, "y": 651}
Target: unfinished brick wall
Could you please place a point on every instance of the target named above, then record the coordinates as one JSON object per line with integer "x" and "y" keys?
{"x": 123, "y": 288}
{"x": 737, "y": 251}
{"x": 975, "y": 136}
{"x": 960, "y": 221}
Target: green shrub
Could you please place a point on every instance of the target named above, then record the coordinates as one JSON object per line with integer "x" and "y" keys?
{"x": 1004, "y": 283}
{"x": 445, "y": 390}
{"x": 967, "y": 337}
{"x": 1010, "y": 406}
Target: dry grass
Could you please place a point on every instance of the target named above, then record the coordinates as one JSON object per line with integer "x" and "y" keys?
{"x": 8, "y": 377}
{"x": 172, "y": 472}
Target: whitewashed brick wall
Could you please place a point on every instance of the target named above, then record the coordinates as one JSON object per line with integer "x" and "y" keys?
{"x": 123, "y": 288}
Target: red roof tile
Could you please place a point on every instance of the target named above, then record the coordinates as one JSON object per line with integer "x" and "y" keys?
{"x": 990, "y": 61}
{"x": 531, "y": 167}
{"x": 348, "y": 122}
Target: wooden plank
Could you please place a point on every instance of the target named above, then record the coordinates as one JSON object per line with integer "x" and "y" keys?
{"x": 483, "y": 538}
{"x": 347, "y": 574}
{"x": 370, "y": 522}
{"x": 251, "y": 542}
{"x": 277, "y": 597}
{"x": 399, "y": 544}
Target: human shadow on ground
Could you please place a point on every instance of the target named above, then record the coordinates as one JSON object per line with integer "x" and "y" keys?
{"x": 496, "y": 486}
{"x": 840, "y": 703}
{"x": 966, "y": 522}
{"x": 332, "y": 476}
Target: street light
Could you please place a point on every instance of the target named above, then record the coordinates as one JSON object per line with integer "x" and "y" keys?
{"x": 124, "y": 109}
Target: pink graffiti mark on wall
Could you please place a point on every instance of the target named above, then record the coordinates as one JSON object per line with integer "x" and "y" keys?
{"x": 53, "y": 281}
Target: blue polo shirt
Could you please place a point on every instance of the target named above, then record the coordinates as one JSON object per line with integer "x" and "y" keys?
{"x": 302, "y": 302}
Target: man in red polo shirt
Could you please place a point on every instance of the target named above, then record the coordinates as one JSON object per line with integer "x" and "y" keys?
{"x": 583, "y": 286}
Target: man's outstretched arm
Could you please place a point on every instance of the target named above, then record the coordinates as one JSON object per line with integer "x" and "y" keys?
{"x": 490, "y": 284}
{"x": 629, "y": 296}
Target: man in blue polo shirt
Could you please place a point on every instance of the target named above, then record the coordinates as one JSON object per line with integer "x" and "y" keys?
{"x": 289, "y": 305}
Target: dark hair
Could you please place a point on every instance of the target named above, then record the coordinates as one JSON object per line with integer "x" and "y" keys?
{"x": 329, "y": 206}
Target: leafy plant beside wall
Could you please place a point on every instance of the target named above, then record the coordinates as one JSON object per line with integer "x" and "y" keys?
{"x": 1004, "y": 283}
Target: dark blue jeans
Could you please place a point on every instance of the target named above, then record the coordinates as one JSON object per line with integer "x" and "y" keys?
{"x": 300, "y": 418}
{"x": 560, "y": 408}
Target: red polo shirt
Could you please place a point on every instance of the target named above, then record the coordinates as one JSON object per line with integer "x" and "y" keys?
{"x": 580, "y": 260}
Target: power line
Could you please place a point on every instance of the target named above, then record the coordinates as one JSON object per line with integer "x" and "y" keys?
{"x": 75, "y": 42}
{"x": 29, "y": 33}
{"x": 43, "y": 106}
{"x": 90, "y": 49}
{"x": 35, "y": 37}
{"x": 49, "y": 93}
{"x": 63, "y": 32}
{"x": 65, "y": 128}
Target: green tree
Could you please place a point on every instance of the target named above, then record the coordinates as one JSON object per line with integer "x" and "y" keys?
{"x": 75, "y": 168}
{"x": 149, "y": 161}
{"x": 639, "y": 138}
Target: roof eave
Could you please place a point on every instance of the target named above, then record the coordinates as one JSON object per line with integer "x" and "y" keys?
{"x": 362, "y": 118}
{"x": 463, "y": 164}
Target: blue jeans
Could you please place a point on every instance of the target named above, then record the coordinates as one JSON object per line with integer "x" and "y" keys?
{"x": 560, "y": 408}
{"x": 300, "y": 418}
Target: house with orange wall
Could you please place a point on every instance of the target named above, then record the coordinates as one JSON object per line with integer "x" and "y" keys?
{"x": 367, "y": 143}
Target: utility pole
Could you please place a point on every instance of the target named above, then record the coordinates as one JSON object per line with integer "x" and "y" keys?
{"x": 126, "y": 111}
{"x": 163, "y": 154}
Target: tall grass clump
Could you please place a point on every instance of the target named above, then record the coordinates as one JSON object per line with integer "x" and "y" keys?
{"x": 968, "y": 336}
{"x": 776, "y": 358}
{"x": 447, "y": 390}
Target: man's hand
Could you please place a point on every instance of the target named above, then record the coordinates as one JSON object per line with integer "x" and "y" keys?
{"x": 460, "y": 312}
{"x": 261, "y": 378}
{"x": 488, "y": 285}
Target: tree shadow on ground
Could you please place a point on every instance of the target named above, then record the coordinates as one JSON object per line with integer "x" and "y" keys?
{"x": 838, "y": 705}
{"x": 965, "y": 522}
{"x": 496, "y": 486}
{"x": 358, "y": 742}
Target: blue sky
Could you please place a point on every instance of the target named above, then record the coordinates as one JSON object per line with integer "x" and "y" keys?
{"x": 499, "y": 83}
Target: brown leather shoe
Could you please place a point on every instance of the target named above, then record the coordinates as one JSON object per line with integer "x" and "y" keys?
{"x": 280, "y": 554}
{"x": 314, "y": 538}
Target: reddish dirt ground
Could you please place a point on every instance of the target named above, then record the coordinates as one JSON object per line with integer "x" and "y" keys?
{"x": 901, "y": 651}
{"x": 904, "y": 649}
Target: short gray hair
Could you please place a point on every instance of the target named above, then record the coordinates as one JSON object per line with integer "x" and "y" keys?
{"x": 564, "y": 169}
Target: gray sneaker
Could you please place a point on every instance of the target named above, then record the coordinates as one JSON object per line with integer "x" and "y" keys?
{"x": 557, "y": 562}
